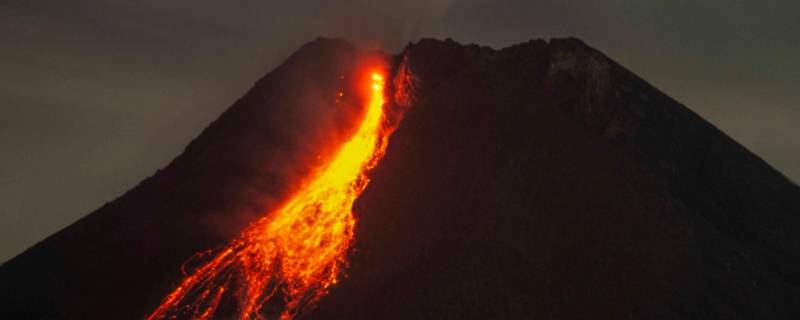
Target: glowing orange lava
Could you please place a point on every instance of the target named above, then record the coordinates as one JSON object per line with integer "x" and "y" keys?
{"x": 296, "y": 252}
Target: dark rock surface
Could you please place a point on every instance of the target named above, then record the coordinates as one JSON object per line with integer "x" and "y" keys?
{"x": 545, "y": 181}
{"x": 540, "y": 181}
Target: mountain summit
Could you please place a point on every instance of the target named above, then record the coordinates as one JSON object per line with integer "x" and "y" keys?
{"x": 540, "y": 181}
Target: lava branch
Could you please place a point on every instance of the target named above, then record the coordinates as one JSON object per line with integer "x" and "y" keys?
{"x": 298, "y": 251}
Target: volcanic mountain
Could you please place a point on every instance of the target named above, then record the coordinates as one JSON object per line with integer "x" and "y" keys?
{"x": 540, "y": 181}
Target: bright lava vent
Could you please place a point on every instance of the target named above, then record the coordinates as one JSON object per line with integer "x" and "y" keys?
{"x": 298, "y": 251}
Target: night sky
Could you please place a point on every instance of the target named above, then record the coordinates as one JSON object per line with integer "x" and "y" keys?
{"x": 97, "y": 95}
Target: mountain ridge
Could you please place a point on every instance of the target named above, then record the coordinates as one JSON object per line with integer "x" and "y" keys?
{"x": 538, "y": 180}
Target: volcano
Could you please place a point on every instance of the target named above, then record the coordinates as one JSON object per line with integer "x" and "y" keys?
{"x": 539, "y": 181}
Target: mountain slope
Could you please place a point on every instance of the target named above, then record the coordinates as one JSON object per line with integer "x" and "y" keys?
{"x": 546, "y": 181}
{"x": 119, "y": 261}
{"x": 538, "y": 181}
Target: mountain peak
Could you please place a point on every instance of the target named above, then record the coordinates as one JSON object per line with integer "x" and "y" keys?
{"x": 542, "y": 180}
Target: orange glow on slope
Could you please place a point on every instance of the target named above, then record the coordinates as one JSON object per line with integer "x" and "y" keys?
{"x": 298, "y": 251}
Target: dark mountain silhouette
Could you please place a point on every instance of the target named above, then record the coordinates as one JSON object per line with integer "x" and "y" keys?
{"x": 119, "y": 261}
{"x": 540, "y": 181}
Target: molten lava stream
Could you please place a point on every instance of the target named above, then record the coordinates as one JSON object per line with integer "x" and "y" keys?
{"x": 296, "y": 252}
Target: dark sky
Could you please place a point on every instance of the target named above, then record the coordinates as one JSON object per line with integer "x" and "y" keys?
{"x": 97, "y": 95}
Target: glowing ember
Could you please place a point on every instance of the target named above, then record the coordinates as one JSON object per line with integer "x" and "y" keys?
{"x": 296, "y": 252}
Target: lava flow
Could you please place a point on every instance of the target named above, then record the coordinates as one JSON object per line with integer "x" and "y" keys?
{"x": 297, "y": 252}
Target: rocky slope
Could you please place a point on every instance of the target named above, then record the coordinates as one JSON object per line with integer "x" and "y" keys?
{"x": 545, "y": 181}
{"x": 119, "y": 261}
{"x": 539, "y": 181}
